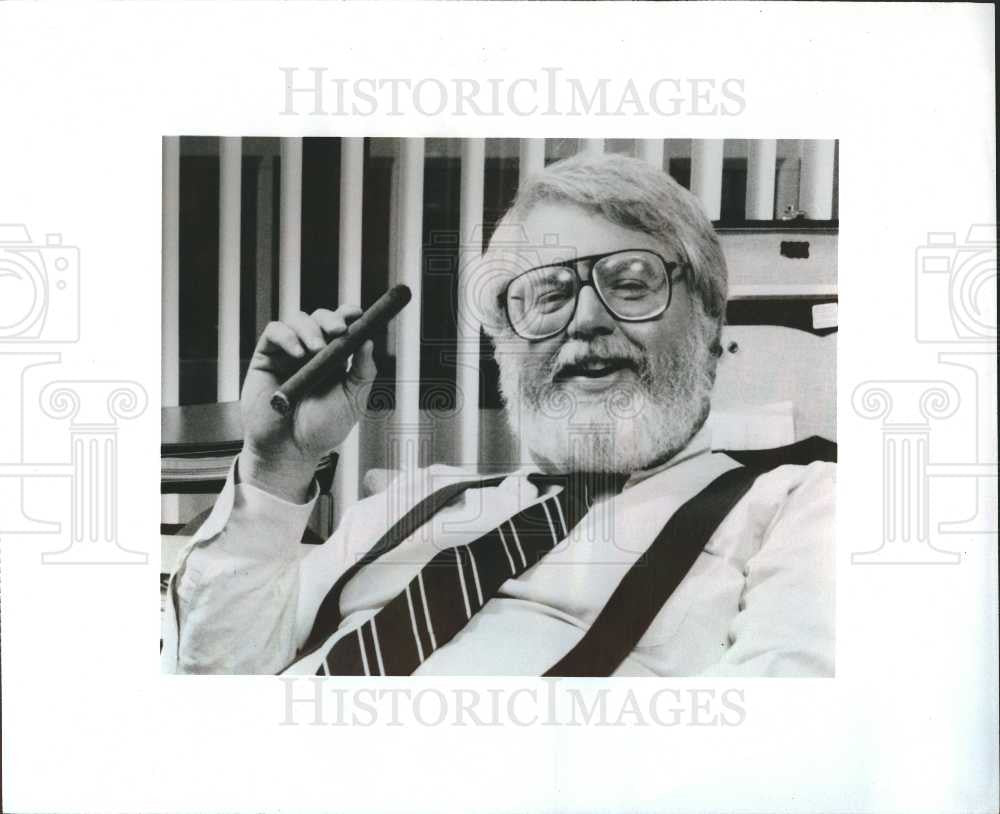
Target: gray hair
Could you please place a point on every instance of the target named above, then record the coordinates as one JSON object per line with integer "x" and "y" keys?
{"x": 635, "y": 195}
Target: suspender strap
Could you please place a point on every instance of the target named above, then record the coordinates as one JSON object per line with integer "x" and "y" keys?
{"x": 801, "y": 453}
{"x": 328, "y": 617}
{"x": 649, "y": 583}
{"x": 646, "y": 587}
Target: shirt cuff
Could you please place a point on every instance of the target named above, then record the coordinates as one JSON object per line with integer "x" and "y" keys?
{"x": 250, "y": 522}
{"x": 264, "y": 523}
{"x": 234, "y": 473}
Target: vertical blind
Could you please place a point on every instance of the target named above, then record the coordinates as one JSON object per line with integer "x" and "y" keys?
{"x": 414, "y": 211}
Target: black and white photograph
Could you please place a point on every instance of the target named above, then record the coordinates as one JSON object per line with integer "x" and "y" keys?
{"x": 505, "y": 407}
{"x": 595, "y": 435}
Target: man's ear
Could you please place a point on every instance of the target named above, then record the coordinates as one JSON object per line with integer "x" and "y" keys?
{"x": 715, "y": 326}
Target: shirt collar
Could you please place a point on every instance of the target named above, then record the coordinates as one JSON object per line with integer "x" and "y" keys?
{"x": 700, "y": 444}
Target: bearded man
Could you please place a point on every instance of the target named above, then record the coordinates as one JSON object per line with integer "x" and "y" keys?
{"x": 623, "y": 546}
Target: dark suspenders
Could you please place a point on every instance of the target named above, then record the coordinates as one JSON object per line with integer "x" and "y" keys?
{"x": 647, "y": 585}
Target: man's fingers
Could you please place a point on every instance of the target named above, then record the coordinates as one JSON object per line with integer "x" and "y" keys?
{"x": 280, "y": 338}
{"x": 334, "y": 323}
{"x": 308, "y": 330}
{"x": 304, "y": 334}
{"x": 350, "y": 312}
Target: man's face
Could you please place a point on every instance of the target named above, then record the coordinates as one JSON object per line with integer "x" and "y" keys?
{"x": 605, "y": 395}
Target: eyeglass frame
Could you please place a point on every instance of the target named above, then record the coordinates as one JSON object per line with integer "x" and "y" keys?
{"x": 669, "y": 267}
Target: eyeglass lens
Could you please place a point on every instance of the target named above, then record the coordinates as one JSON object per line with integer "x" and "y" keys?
{"x": 633, "y": 285}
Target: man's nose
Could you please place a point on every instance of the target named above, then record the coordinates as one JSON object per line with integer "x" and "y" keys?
{"x": 591, "y": 317}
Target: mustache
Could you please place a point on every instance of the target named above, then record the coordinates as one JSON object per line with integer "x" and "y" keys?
{"x": 614, "y": 351}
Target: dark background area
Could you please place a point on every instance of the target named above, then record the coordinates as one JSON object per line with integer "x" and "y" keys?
{"x": 199, "y": 247}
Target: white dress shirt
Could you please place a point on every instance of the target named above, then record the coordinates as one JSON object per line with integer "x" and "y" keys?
{"x": 757, "y": 602}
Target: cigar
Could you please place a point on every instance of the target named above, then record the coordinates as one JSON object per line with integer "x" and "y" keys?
{"x": 317, "y": 370}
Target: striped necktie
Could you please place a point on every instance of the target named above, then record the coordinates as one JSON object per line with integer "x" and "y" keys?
{"x": 451, "y": 588}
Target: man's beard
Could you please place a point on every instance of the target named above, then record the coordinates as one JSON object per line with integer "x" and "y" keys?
{"x": 633, "y": 425}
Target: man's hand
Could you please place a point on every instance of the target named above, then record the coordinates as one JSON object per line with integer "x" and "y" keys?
{"x": 280, "y": 453}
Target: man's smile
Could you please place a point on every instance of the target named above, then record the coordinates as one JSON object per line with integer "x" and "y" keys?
{"x": 595, "y": 373}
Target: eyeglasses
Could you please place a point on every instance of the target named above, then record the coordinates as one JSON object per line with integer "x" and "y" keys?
{"x": 634, "y": 285}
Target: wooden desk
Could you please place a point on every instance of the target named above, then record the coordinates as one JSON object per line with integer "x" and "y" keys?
{"x": 196, "y": 438}
{"x": 197, "y": 428}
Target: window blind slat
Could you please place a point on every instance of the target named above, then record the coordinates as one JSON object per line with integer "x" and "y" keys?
{"x": 347, "y": 476}
{"x": 531, "y": 157}
{"x": 473, "y": 185}
{"x": 816, "y": 179}
{"x": 409, "y": 271}
{"x": 651, "y": 150}
{"x": 761, "y": 163}
{"x": 290, "y": 229}
{"x": 230, "y": 183}
{"x": 706, "y": 175}
{"x": 171, "y": 329}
